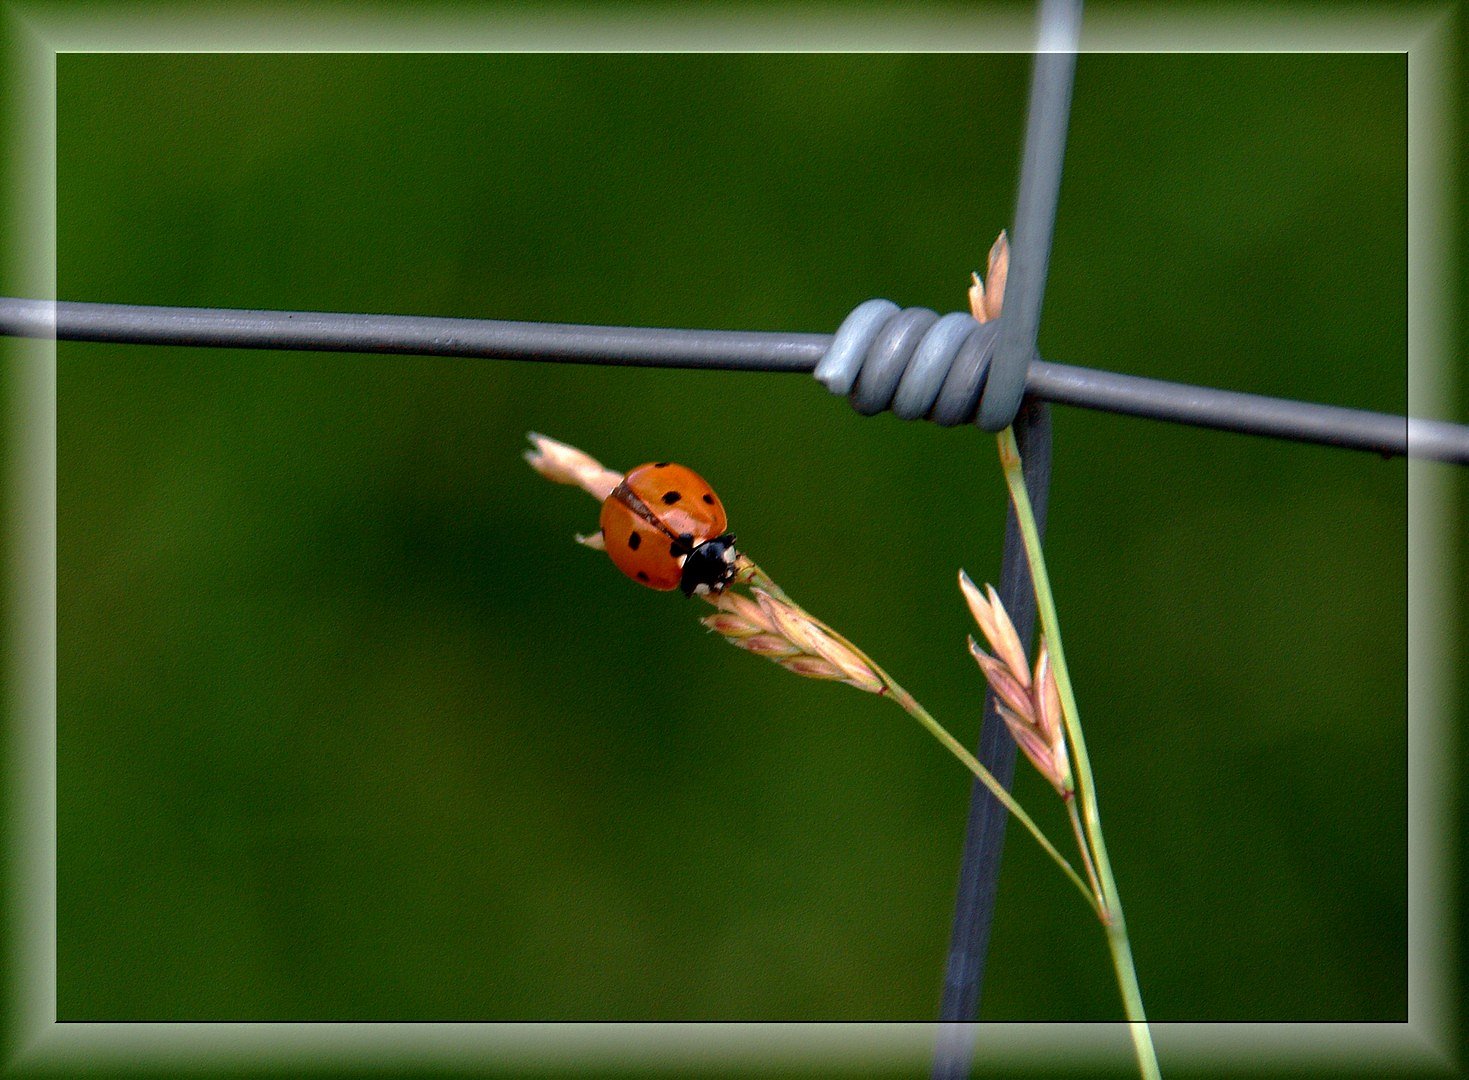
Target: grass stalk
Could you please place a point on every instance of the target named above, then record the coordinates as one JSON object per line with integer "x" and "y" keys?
{"x": 1111, "y": 901}
{"x": 1085, "y": 849}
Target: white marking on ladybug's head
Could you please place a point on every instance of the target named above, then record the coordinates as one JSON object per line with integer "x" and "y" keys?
{"x": 701, "y": 590}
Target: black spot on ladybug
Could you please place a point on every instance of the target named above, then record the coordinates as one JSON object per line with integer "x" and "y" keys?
{"x": 709, "y": 498}
{"x": 660, "y": 464}
{"x": 682, "y": 546}
{"x": 671, "y": 497}
{"x": 675, "y": 549}
{"x": 642, "y": 575}
{"x": 634, "y": 541}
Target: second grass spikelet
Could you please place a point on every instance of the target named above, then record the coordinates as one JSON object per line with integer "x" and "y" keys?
{"x": 773, "y": 628}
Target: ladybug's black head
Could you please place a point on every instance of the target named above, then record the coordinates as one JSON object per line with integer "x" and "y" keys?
{"x": 709, "y": 566}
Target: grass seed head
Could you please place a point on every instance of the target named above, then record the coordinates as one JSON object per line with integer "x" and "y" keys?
{"x": 772, "y": 646}
{"x": 1029, "y": 702}
{"x": 1001, "y": 679}
{"x": 1046, "y": 694}
{"x": 745, "y": 610}
{"x": 812, "y": 667}
{"x": 771, "y": 627}
{"x": 998, "y": 630}
{"x": 567, "y": 465}
{"x": 1033, "y": 746}
{"x": 985, "y": 301}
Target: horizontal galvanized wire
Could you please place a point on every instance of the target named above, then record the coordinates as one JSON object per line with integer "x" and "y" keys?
{"x": 742, "y": 350}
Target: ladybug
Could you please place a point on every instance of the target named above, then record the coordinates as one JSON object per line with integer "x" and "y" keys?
{"x": 664, "y": 527}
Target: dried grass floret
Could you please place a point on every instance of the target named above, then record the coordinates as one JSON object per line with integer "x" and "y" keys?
{"x": 985, "y": 301}
{"x": 1029, "y": 702}
{"x": 773, "y": 627}
{"x": 567, "y": 465}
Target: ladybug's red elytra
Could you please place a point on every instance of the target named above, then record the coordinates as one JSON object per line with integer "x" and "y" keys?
{"x": 664, "y": 527}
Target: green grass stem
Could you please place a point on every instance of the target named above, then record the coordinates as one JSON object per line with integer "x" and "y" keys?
{"x": 1115, "y": 924}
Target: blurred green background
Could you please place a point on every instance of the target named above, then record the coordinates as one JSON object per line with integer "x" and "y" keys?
{"x": 349, "y": 728}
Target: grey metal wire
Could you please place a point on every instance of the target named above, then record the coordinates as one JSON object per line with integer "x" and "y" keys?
{"x": 742, "y": 350}
{"x": 421, "y": 335}
{"x": 984, "y": 833}
{"x": 1035, "y": 211}
{"x": 1004, "y": 387}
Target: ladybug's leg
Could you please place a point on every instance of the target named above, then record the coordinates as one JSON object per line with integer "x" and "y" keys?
{"x": 595, "y": 541}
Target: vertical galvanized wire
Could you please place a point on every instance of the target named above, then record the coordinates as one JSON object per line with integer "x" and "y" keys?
{"x": 1035, "y": 213}
{"x": 984, "y": 837}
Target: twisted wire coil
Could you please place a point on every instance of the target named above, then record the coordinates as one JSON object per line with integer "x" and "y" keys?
{"x": 913, "y": 361}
